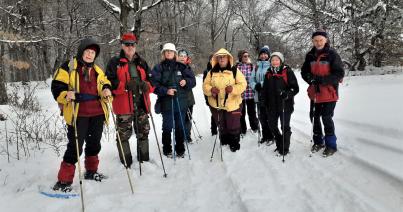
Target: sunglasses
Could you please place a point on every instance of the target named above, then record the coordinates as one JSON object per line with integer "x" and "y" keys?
{"x": 129, "y": 44}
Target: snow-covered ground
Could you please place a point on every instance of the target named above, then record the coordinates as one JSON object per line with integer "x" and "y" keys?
{"x": 365, "y": 175}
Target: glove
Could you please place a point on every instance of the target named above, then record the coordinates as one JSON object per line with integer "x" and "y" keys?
{"x": 215, "y": 91}
{"x": 284, "y": 95}
{"x": 144, "y": 87}
{"x": 228, "y": 89}
{"x": 258, "y": 86}
{"x": 131, "y": 85}
{"x": 317, "y": 80}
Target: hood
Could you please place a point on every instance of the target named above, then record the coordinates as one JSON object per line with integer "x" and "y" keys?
{"x": 222, "y": 51}
{"x": 86, "y": 42}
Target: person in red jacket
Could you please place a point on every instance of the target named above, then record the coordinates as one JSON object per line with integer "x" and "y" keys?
{"x": 323, "y": 70}
{"x": 129, "y": 76}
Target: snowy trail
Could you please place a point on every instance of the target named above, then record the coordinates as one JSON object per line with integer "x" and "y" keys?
{"x": 364, "y": 176}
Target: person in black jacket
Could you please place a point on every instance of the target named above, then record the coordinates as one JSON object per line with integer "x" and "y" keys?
{"x": 323, "y": 70}
{"x": 172, "y": 80}
{"x": 213, "y": 127}
{"x": 279, "y": 88}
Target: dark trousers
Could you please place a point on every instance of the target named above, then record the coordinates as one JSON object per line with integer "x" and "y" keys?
{"x": 89, "y": 129}
{"x": 229, "y": 126}
{"x": 326, "y": 112}
{"x": 264, "y": 122}
{"x": 249, "y": 106}
{"x": 273, "y": 117}
{"x": 168, "y": 119}
{"x": 213, "y": 126}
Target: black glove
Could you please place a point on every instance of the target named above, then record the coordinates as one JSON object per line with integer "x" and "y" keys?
{"x": 131, "y": 85}
{"x": 284, "y": 95}
{"x": 258, "y": 86}
{"x": 318, "y": 80}
{"x": 144, "y": 87}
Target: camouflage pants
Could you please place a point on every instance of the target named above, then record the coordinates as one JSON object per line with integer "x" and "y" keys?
{"x": 126, "y": 123}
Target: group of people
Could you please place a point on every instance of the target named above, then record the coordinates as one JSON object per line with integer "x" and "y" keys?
{"x": 264, "y": 90}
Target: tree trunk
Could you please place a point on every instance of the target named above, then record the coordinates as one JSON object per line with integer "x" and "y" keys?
{"x": 3, "y": 87}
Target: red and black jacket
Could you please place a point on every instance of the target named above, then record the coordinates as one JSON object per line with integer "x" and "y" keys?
{"x": 326, "y": 65}
{"x": 117, "y": 72}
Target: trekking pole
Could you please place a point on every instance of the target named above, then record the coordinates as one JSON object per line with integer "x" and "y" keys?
{"x": 217, "y": 136}
{"x": 191, "y": 128}
{"x": 313, "y": 120}
{"x": 183, "y": 127}
{"x": 156, "y": 137}
{"x": 173, "y": 130}
{"x": 194, "y": 123}
{"x": 120, "y": 143}
{"x": 78, "y": 155}
{"x": 282, "y": 125}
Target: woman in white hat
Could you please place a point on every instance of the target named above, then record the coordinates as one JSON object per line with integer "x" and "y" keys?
{"x": 172, "y": 81}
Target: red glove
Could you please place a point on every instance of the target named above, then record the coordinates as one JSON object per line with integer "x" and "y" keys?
{"x": 215, "y": 91}
{"x": 228, "y": 89}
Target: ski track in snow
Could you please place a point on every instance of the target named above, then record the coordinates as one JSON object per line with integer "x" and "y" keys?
{"x": 252, "y": 179}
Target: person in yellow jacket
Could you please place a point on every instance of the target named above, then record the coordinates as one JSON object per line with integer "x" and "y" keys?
{"x": 81, "y": 84}
{"x": 223, "y": 87}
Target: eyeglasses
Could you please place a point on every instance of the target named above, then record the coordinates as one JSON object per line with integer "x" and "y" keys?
{"x": 245, "y": 56}
{"x": 129, "y": 44}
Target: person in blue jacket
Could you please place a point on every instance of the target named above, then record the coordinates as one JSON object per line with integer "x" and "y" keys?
{"x": 256, "y": 83}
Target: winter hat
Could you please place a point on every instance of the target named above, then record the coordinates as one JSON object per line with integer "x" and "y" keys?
{"x": 279, "y": 55}
{"x": 264, "y": 49}
{"x": 240, "y": 54}
{"x": 168, "y": 46}
{"x": 92, "y": 47}
{"x": 87, "y": 43}
{"x": 319, "y": 32}
{"x": 183, "y": 52}
{"x": 128, "y": 38}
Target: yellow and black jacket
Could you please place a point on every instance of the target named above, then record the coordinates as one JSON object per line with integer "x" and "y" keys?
{"x": 65, "y": 79}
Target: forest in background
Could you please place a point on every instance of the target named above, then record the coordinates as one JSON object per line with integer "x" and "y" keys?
{"x": 36, "y": 36}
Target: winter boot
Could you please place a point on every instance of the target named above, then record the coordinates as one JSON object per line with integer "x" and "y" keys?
{"x": 91, "y": 175}
{"x": 126, "y": 152}
{"x": 328, "y": 152}
{"x": 224, "y": 139}
{"x": 317, "y": 147}
{"x": 234, "y": 142}
{"x": 166, "y": 144}
{"x": 62, "y": 186}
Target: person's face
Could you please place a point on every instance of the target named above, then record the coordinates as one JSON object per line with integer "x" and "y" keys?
{"x": 245, "y": 58}
{"x": 182, "y": 58}
{"x": 275, "y": 61}
{"x": 319, "y": 41}
{"x": 89, "y": 55}
{"x": 169, "y": 54}
{"x": 222, "y": 61}
{"x": 263, "y": 56}
{"x": 129, "y": 49}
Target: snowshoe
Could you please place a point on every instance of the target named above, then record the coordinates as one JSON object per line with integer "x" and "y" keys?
{"x": 62, "y": 186}
{"x": 317, "y": 147}
{"x": 168, "y": 155}
{"x": 269, "y": 142}
{"x": 180, "y": 155}
{"x": 328, "y": 152}
{"x": 94, "y": 176}
{"x": 263, "y": 140}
